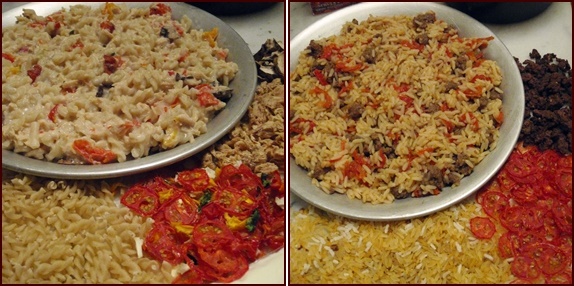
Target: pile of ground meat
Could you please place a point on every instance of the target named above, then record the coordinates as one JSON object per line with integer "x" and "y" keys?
{"x": 548, "y": 111}
{"x": 258, "y": 140}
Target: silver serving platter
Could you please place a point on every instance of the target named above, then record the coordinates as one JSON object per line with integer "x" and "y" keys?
{"x": 512, "y": 106}
{"x": 243, "y": 85}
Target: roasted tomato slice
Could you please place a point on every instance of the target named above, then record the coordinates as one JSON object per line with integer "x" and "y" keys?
{"x": 193, "y": 276}
{"x": 181, "y": 213}
{"x": 212, "y": 234}
{"x": 524, "y": 267}
{"x": 563, "y": 181}
{"x": 195, "y": 181}
{"x": 141, "y": 200}
{"x": 482, "y": 227}
{"x": 165, "y": 188}
{"x": 235, "y": 202}
{"x": 493, "y": 203}
{"x": 223, "y": 265}
{"x": 163, "y": 244}
{"x": 505, "y": 249}
{"x": 240, "y": 178}
{"x": 549, "y": 258}
{"x": 521, "y": 169}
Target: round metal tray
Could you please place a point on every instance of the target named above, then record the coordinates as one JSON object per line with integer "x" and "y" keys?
{"x": 512, "y": 106}
{"x": 243, "y": 85}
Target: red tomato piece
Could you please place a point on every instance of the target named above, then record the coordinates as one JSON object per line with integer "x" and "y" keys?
{"x": 193, "y": 276}
{"x": 111, "y": 63}
{"x": 182, "y": 210}
{"x": 493, "y": 203}
{"x": 107, "y": 25}
{"x": 165, "y": 189}
{"x": 9, "y": 57}
{"x": 241, "y": 179}
{"x": 524, "y": 194}
{"x": 194, "y": 181}
{"x": 159, "y": 9}
{"x": 563, "y": 181}
{"x": 549, "y": 258}
{"x": 163, "y": 244}
{"x": 212, "y": 234}
{"x": 560, "y": 278}
{"x": 512, "y": 218}
{"x": 524, "y": 267}
{"x": 563, "y": 216}
{"x": 520, "y": 168}
{"x": 505, "y": 248}
{"x": 91, "y": 154}
{"x": 141, "y": 200}
{"x": 34, "y": 72}
{"x": 235, "y": 202}
{"x": 223, "y": 265}
{"x": 482, "y": 227}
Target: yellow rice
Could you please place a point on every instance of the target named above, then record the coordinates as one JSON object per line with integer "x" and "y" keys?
{"x": 439, "y": 248}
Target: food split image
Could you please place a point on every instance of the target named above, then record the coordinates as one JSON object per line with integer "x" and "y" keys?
{"x": 430, "y": 143}
{"x": 143, "y": 143}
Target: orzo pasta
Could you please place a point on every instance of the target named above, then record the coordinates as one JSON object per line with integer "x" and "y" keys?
{"x": 393, "y": 107}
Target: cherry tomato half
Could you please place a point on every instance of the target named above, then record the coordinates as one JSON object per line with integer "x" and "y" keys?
{"x": 195, "y": 181}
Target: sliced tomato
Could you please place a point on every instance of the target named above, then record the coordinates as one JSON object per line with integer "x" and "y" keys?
{"x": 163, "y": 244}
{"x": 549, "y": 258}
{"x": 212, "y": 234}
{"x": 93, "y": 155}
{"x": 240, "y": 178}
{"x": 520, "y": 168}
{"x": 181, "y": 211}
{"x": 560, "y": 278}
{"x": 482, "y": 227}
{"x": 505, "y": 181}
{"x": 563, "y": 216}
{"x": 223, "y": 265}
{"x": 141, "y": 200}
{"x": 192, "y": 276}
{"x": 235, "y": 202}
{"x": 195, "y": 181}
{"x": 563, "y": 181}
{"x": 505, "y": 248}
{"x": 165, "y": 188}
{"x": 493, "y": 203}
{"x": 524, "y": 267}
{"x": 524, "y": 194}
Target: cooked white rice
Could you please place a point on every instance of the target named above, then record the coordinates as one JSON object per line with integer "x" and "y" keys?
{"x": 144, "y": 100}
{"x": 408, "y": 121}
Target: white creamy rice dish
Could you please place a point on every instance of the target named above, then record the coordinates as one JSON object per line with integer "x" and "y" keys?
{"x": 393, "y": 107}
{"x": 95, "y": 86}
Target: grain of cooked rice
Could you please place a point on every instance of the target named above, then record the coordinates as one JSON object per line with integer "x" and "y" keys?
{"x": 72, "y": 232}
{"x": 403, "y": 104}
{"x": 442, "y": 255}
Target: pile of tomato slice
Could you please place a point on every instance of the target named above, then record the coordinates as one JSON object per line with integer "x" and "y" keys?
{"x": 216, "y": 226}
{"x": 531, "y": 198}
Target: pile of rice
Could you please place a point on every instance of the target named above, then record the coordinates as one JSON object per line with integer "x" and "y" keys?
{"x": 439, "y": 248}
{"x": 72, "y": 232}
{"x": 438, "y": 107}
{"x": 146, "y": 102}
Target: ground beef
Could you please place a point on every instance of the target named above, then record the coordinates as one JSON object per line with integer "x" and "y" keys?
{"x": 548, "y": 110}
{"x": 258, "y": 140}
{"x": 422, "y": 20}
{"x": 315, "y": 48}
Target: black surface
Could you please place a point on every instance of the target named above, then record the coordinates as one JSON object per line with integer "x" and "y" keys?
{"x": 232, "y": 8}
{"x": 501, "y": 12}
